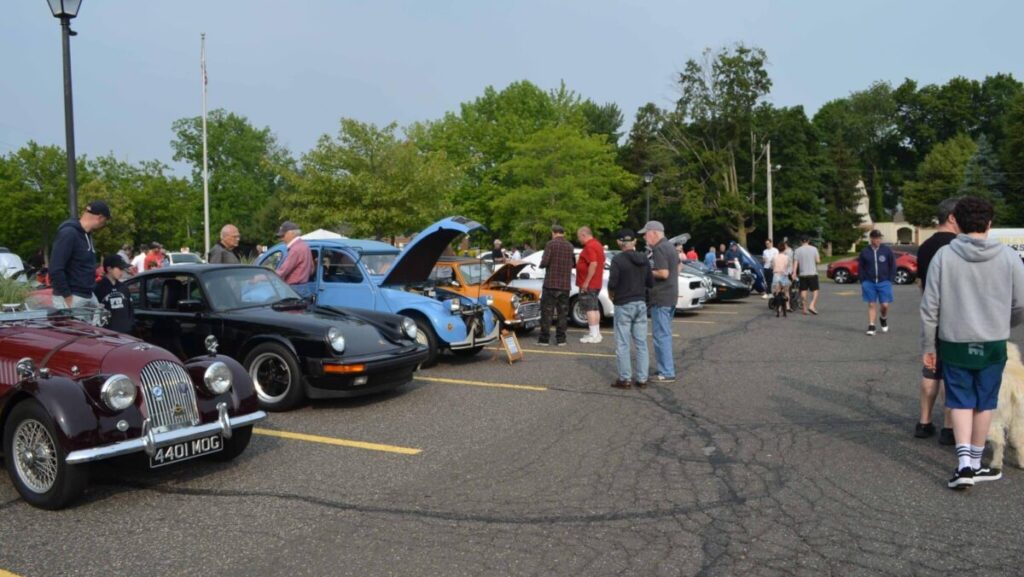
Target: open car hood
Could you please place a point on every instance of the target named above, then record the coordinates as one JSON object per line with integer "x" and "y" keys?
{"x": 507, "y": 273}
{"x": 415, "y": 262}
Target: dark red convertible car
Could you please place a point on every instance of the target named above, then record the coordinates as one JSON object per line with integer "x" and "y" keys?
{"x": 845, "y": 271}
{"x": 72, "y": 393}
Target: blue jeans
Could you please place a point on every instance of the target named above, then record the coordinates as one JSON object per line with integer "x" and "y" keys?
{"x": 662, "y": 319}
{"x": 631, "y": 324}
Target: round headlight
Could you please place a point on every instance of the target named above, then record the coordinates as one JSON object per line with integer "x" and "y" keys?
{"x": 516, "y": 301}
{"x": 217, "y": 378}
{"x": 409, "y": 328}
{"x": 455, "y": 305}
{"x": 489, "y": 301}
{"x": 118, "y": 392}
{"x": 336, "y": 339}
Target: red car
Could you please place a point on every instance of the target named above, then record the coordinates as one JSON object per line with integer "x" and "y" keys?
{"x": 72, "y": 393}
{"x": 845, "y": 271}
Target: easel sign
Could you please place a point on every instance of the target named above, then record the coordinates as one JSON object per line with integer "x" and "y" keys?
{"x": 510, "y": 343}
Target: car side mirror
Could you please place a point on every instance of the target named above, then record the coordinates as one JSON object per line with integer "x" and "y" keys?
{"x": 191, "y": 306}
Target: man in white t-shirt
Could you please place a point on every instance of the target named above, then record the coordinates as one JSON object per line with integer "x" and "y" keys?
{"x": 766, "y": 259}
{"x": 138, "y": 263}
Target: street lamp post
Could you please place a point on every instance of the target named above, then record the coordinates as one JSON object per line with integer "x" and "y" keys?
{"x": 771, "y": 169}
{"x": 66, "y": 10}
{"x": 648, "y": 179}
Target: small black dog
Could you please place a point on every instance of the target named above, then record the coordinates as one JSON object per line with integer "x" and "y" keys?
{"x": 780, "y": 303}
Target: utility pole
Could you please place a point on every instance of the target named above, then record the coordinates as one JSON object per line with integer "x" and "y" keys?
{"x": 771, "y": 224}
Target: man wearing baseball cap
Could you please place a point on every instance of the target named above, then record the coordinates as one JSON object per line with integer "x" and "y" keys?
{"x": 664, "y": 295}
{"x": 629, "y": 279}
{"x": 112, "y": 294}
{"x": 297, "y": 265}
{"x": 73, "y": 258}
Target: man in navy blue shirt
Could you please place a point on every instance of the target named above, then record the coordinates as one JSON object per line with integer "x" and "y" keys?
{"x": 876, "y": 267}
{"x": 73, "y": 258}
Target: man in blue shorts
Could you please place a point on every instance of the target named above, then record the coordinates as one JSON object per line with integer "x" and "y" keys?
{"x": 973, "y": 315}
{"x": 876, "y": 266}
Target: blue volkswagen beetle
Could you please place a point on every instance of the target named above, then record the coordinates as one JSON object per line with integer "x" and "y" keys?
{"x": 373, "y": 275}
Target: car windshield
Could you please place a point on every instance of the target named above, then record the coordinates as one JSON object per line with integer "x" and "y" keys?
{"x": 379, "y": 263}
{"x": 186, "y": 257}
{"x": 239, "y": 288}
{"x": 698, "y": 265}
{"x": 475, "y": 272}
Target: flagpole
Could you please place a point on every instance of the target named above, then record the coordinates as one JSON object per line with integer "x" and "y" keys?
{"x": 206, "y": 174}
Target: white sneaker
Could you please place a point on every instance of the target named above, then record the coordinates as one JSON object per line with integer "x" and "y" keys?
{"x": 764, "y": 296}
{"x": 591, "y": 340}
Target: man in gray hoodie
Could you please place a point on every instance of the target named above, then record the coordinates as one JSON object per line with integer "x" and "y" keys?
{"x": 974, "y": 295}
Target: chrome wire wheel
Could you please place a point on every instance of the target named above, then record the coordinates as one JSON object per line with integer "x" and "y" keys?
{"x": 271, "y": 376}
{"x": 35, "y": 456}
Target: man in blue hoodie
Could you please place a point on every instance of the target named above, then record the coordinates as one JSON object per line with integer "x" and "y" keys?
{"x": 73, "y": 258}
{"x": 876, "y": 267}
{"x": 973, "y": 295}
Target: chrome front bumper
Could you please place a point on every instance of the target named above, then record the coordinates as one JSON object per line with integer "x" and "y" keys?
{"x": 150, "y": 441}
{"x": 472, "y": 342}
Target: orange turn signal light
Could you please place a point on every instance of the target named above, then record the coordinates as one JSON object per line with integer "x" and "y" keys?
{"x": 343, "y": 369}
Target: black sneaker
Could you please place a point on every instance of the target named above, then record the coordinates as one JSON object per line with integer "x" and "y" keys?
{"x": 543, "y": 343}
{"x": 560, "y": 343}
{"x": 946, "y": 438}
{"x": 987, "y": 474}
{"x": 924, "y": 430}
{"x": 962, "y": 479}
{"x": 885, "y": 325}
{"x": 663, "y": 379}
{"x": 871, "y": 331}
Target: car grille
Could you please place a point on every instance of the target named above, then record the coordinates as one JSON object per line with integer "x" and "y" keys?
{"x": 170, "y": 398}
{"x": 529, "y": 311}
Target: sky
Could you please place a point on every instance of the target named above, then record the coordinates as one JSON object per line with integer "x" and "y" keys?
{"x": 298, "y": 66}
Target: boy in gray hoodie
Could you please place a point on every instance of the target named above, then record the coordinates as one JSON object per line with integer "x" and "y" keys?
{"x": 974, "y": 294}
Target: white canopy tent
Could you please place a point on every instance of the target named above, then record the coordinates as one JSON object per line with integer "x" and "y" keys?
{"x": 321, "y": 234}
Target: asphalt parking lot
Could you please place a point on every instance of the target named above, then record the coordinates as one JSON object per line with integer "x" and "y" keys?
{"x": 784, "y": 449}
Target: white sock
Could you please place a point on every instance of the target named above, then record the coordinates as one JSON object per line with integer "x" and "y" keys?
{"x": 976, "y": 453}
{"x": 595, "y": 331}
{"x": 963, "y": 455}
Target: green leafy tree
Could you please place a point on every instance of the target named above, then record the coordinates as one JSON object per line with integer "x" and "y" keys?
{"x": 370, "y": 182}
{"x": 603, "y": 119}
{"x": 557, "y": 175}
{"x": 982, "y": 176}
{"x": 940, "y": 176}
{"x": 712, "y": 129}
{"x": 245, "y": 169}
{"x": 1012, "y": 156}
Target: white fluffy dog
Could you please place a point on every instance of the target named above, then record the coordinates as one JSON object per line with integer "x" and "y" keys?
{"x": 1008, "y": 418}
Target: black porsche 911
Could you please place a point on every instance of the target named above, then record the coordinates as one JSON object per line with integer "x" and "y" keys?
{"x": 725, "y": 287}
{"x": 292, "y": 349}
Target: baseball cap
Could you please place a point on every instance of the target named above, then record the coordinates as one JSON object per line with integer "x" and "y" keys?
{"x": 557, "y": 228}
{"x": 652, "y": 225}
{"x": 98, "y": 207}
{"x": 114, "y": 261}
{"x": 876, "y": 233}
{"x": 286, "y": 226}
{"x": 625, "y": 235}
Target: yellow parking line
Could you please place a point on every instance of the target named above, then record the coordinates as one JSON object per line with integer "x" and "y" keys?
{"x": 613, "y": 332}
{"x": 706, "y": 311}
{"x": 695, "y": 323}
{"x": 846, "y": 293}
{"x": 333, "y": 441}
{"x": 481, "y": 384}
{"x": 567, "y": 353}
{"x": 7, "y": 574}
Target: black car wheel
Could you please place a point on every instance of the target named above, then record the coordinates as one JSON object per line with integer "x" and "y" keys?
{"x": 276, "y": 376}
{"x": 841, "y": 276}
{"x": 577, "y": 316}
{"x": 35, "y": 460}
{"x": 234, "y": 446}
{"x": 903, "y": 276}
{"x": 426, "y": 336}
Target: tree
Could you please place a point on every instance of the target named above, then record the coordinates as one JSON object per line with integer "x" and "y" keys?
{"x": 604, "y": 120}
{"x": 710, "y": 130}
{"x": 245, "y": 169}
{"x": 982, "y": 175}
{"x": 939, "y": 177}
{"x": 557, "y": 175}
{"x": 371, "y": 182}
{"x": 1013, "y": 162}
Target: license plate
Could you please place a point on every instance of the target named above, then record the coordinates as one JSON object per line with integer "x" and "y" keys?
{"x": 186, "y": 450}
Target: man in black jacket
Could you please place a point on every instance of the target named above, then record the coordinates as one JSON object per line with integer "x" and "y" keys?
{"x": 73, "y": 258}
{"x": 628, "y": 282}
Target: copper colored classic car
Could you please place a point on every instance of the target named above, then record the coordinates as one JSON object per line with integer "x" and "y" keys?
{"x": 72, "y": 393}
{"x": 513, "y": 307}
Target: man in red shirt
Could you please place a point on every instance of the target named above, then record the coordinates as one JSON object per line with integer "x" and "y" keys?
{"x": 154, "y": 257}
{"x": 589, "y": 273}
{"x": 297, "y": 266}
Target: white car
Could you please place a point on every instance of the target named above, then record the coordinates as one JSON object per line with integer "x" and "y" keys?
{"x": 11, "y": 265}
{"x": 692, "y": 292}
{"x": 178, "y": 258}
